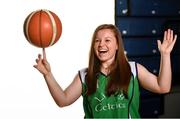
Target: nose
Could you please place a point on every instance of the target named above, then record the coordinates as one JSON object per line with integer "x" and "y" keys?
{"x": 101, "y": 43}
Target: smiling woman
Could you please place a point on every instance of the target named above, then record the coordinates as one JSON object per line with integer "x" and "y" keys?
{"x": 105, "y": 46}
{"x": 113, "y": 93}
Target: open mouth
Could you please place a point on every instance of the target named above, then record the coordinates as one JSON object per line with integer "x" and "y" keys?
{"x": 103, "y": 51}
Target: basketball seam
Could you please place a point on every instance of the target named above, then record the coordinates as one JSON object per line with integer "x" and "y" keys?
{"x": 54, "y": 28}
{"x": 27, "y": 27}
{"x": 40, "y": 31}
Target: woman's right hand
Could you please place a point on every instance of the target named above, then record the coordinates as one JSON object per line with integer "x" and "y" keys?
{"x": 42, "y": 64}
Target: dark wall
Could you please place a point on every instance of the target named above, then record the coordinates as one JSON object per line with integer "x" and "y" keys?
{"x": 142, "y": 22}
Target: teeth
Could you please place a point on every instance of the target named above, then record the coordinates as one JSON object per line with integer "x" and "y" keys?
{"x": 102, "y": 50}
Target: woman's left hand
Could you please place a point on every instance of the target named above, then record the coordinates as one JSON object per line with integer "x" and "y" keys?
{"x": 167, "y": 45}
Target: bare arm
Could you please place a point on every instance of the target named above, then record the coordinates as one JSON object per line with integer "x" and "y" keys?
{"x": 60, "y": 96}
{"x": 162, "y": 83}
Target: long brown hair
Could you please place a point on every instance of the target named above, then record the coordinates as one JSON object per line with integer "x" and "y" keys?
{"x": 120, "y": 72}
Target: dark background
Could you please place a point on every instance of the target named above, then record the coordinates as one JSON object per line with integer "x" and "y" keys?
{"x": 142, "y": 22}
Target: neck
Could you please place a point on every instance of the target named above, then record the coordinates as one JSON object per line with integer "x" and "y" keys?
{"x": 105, "y": 68}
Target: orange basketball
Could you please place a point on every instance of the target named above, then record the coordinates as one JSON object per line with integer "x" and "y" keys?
{"x": 42, "y": 28}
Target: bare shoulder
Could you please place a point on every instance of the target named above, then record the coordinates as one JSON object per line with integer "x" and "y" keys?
{"x": 147, "y": 79}
{"x": 139, "y": 66}
{"x": 141, "y": 69}
{"x": 77, "y": 79}
{"x": 143, "y": 73}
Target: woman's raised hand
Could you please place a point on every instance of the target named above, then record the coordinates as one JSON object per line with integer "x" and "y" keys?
{"x": 168, "y": 42}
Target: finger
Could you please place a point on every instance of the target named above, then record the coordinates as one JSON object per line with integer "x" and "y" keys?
{"x": 175, "y": 38}
{"x": 44, "y": 54}
{"x": 173, "y": 42}
{"x": 35, "y": 66}
{"x": 45, "y": 62}
{"x": 168, "y": 34}
{"x": 159, "y": 43}
{"x": 39, "y": 56}
{"x": 171, "y": 36}
{"x": 37, "y": 60}
{"x": 165, "y": 35}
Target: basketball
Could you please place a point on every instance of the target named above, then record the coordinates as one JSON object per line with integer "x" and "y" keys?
{"x": 42, "y": 28}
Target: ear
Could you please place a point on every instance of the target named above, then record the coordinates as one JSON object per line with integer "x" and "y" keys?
{"x": 116, "y": 47}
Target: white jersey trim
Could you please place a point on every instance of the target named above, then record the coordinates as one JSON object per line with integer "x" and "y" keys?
{"x": 133, "y": 68}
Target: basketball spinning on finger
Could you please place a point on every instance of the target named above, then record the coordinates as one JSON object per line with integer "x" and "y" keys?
{"x": 42, "y": 28}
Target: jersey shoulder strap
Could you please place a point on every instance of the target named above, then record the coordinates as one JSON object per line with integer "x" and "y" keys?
{"x": 82, "y": 74}
{"x": 133, "y": 68}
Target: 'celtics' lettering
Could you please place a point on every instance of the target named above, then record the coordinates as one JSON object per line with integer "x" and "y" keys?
{"x": 100, "y": 107}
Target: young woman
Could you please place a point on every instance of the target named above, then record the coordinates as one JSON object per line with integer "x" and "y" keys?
{"x": 110, "y": 84}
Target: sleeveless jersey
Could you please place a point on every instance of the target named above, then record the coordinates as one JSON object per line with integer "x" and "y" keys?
{"x": 98, "y": 105}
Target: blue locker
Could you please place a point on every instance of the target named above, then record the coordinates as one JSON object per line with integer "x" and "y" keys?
{"x": 121, "y": 7}
{"x": 175, "y": 63}
{"x": 154, "y": 7}
{"x": 151, "y": 63}
{"x": 176, "y": 49}
{"x": 151, "y": 107}
{"x": 175, "y": 25}
{"x": 144, "y": 26}
{"x": 141, "y": 23}
{"x": 146, "y": 94}
{"x": 146, "y": 46}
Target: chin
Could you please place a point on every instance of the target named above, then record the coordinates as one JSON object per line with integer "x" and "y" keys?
{"x": 103, "y": 59}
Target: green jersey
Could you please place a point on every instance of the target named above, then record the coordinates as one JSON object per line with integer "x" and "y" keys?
{"x": 98, "y": 105}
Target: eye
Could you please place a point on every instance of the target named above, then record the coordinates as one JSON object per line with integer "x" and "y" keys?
{"x": 97, "y": 40}
{"x": 108, "y": 40}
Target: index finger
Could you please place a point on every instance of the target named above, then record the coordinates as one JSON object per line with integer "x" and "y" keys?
{"x": 44, "y": 54}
